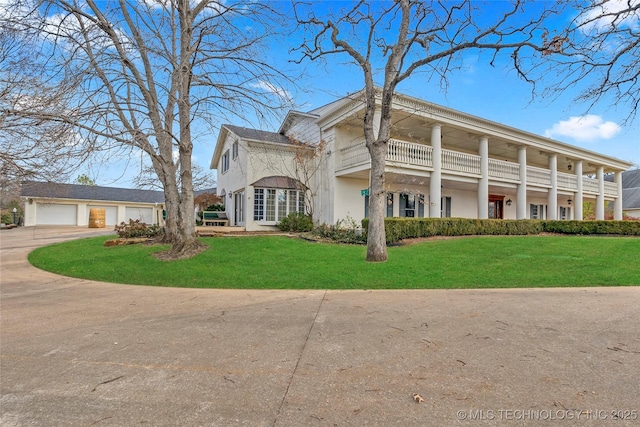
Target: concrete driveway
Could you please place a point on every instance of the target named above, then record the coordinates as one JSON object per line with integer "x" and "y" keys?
{"x": 81, "y": 353}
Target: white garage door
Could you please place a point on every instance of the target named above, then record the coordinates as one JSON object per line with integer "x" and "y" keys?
{"x": 143, "y": 214}
{"x": 56, "y": 214}
{"x": 111, "y": 213}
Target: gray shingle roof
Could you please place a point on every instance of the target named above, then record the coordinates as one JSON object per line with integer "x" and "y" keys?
{"x": 631, "y": 179}
{"x": 258, "y": 135}
{"x": 89, "y": 192}
{"x": 631, "y": 198}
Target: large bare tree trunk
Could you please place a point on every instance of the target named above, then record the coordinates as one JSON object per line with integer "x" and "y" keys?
{"x": 376, "y": 236}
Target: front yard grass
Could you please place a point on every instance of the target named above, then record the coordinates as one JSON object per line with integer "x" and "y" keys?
{"x": 279, "y": 262}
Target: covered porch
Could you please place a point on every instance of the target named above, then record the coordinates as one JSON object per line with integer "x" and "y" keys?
{"x": 516, "y": 184}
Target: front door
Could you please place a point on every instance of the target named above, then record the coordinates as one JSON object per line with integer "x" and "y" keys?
{"x": 496, "y": 206}
{"x": 238, "y": 205}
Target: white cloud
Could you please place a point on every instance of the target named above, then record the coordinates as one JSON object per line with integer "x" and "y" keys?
{"x": 602, "y": 16}
{"x": 271, "y": 88}
{"x": 584, "y": 128}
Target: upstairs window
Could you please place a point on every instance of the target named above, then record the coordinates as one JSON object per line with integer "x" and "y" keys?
{"x": 225, "y": 161}
{"x": 234, "y": 150}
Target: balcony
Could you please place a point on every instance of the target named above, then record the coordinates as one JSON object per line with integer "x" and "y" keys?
{"x": 413, "y": 155}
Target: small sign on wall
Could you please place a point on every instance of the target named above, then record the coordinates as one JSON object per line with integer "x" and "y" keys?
{"x": 364, "y": 192}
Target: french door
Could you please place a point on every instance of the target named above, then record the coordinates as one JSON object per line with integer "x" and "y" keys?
{"x": 238, "y": 208}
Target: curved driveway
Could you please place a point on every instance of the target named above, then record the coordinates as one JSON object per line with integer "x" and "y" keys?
{"x": 82, "y": 353}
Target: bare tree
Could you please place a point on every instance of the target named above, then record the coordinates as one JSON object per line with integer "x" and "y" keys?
{"x": 404, "y": 37}
{"x": 32, "y": 147}
{"x": 149, "y": 73}
{"x": 201, "y": 179}
{"x": 601, "y": 46}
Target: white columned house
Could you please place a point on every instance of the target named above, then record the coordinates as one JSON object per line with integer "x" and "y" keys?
{"x": 439, "y": 162}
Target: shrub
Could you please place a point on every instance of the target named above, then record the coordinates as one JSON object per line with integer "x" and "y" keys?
{"x": 138, "y": 229}
{"x": 296, "y": 222}
{"x": 405, "y": 228}
{"x": 7, "y": 218}
{"x": 345, "y": 231}
{"x": 215, "y": 208}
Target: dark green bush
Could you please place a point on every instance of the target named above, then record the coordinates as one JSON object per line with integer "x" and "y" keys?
{"x": 296, "y": 222}
{"x": 406, "y": 228}
{"x": 623, "y": 228}
{"x": 138, "y": 229}
{"x": 215, "y": 208}
{"x": 7, "y": 218}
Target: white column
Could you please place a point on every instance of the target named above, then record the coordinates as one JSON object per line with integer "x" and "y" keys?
{"x": 577, "y": 202}
{"x": 483, "y": 184}
{"x": 436, "y": 176}
{"x": 600, "y": 196}
{"x": 617, "y": 210}
{"x": 552, "y": 199}
{"x": 521, "y": 199}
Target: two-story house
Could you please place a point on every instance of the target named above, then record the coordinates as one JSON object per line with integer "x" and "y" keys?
{"x": 440, "y": 163}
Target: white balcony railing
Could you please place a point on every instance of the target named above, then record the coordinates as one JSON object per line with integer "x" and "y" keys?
{"x": 567, "y": 181}
{"x": 354, "y": 155}
{"x": 610, "y": 188}
{"x": 538, "y": 176}
{"x": 420, "y": 155}
{"x": 504, "y": 171}
{"x": 409, "y": 153}
{"x": 590, "y": 185}
{"x": 460, "y": 162}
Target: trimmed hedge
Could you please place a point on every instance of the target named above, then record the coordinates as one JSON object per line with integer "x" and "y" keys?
{"x": 406, "y": 228}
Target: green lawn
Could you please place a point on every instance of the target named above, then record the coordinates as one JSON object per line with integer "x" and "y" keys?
{"x": 277, "y": 262}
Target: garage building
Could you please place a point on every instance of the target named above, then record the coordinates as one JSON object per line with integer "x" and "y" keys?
{"x": 48, "y": 203}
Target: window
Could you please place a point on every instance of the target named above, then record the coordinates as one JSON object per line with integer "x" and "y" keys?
{"x": 234, "y": 150}
{"x": 366, "y": 206}
{"x": 271, "y": 204}
{"x": 407, "y": 205}
{"x": 389, "y": 204}
{"x": 565, "y": 212}
{"x": 445, "y": 207}
{"x": 225, "y": 161}
{"x": 536, "y": 211}
{"x": 258, "y": 204}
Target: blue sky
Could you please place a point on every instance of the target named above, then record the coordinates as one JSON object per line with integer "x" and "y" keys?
{"x": 491, "y": 92}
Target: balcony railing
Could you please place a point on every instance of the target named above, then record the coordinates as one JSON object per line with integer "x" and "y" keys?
{"x": 590, "y": 185}
{"x": 538, "y": 176}
{"x": 421, "y": 155}
{"x": 409, "y": 153}
{"x": 567, "y": 181}
{"x": 504, "y": 171}
{"x": 456, "y": 161}
{"x": 354, "y": 155}
{"x": 610, "y": 188}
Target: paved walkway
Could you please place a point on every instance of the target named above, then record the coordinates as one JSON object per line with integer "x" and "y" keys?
{"x": 81, "y": 353}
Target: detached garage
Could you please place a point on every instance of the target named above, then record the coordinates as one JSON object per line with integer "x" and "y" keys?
{"x": 48, "y": 203}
